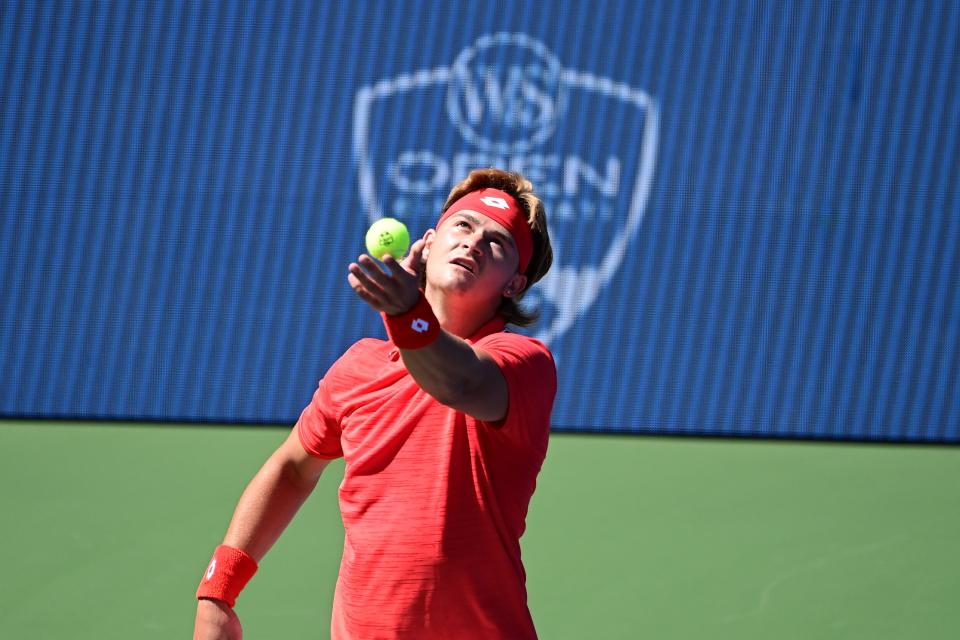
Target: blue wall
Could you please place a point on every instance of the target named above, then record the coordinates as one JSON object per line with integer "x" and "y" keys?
{"x": 754, "y": 204}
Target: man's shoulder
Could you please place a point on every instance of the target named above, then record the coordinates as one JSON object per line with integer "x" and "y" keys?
{"x": 518, "y": 341}
{"x": 512, "y": 349}
{"x": 367, "y": 347}
{"x": 363, "y": 354}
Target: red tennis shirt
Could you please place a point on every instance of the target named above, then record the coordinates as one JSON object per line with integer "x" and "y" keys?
{"x": 433, "y": 501}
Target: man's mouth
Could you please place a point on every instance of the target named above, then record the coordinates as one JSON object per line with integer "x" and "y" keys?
{"x": 465, "y": 263}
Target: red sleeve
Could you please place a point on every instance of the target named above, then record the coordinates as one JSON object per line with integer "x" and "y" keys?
{"x": 531, "y": 376}
{"x": 319, "y": 426}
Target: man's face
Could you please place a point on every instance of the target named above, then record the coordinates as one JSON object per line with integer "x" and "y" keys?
{"x": 475, "y": 256}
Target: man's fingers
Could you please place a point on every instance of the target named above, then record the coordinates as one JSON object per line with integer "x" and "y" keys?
{"x": 398, "y": 269}
{"x": 389, "y": 287}
{"x": 372, "y": 269}
{"x": 414, "y": 260}
{"x": 359, "y": 278}
{"x": 363, "y": 292}
{"x": 416, "y": 251}
{"x": 370, "y": 299}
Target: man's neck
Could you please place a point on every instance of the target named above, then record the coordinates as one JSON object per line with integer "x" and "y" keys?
{"x": 456, "y": 317}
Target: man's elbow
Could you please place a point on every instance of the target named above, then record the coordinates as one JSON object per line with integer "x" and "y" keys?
{"x": 483, "y": 402}
{"x": 295, "y": 466}
{"x": 450, "y": 392}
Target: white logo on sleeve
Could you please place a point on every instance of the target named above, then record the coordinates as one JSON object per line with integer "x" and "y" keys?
{"x": 420, "y": 325}
{"x": 211, "y": 568}
{"x": 496, "y": 203}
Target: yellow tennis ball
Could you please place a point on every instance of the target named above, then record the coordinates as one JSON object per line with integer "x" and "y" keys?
{"x": 387, "y": 235}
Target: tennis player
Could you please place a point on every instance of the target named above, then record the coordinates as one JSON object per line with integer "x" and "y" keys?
{"x": 443, "y": 428}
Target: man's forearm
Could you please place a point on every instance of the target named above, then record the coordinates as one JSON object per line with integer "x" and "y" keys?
{"x": 267, "y": 506}
{"x": 445, "y": 368}
{"x": 456, "y": 374}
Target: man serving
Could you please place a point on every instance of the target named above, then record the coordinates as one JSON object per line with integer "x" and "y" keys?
{"x": 443, "y": 428}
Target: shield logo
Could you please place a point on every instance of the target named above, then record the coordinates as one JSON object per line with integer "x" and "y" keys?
{"x": 587, "y": 143}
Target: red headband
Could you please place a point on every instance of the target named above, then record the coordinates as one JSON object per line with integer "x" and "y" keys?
{"x": 501, "y": 207}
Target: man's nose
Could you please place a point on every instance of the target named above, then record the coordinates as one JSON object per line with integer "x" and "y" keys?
{"x": 474, "y": 243}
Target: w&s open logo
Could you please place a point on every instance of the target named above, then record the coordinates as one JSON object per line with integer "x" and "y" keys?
{"x": 587, "y": 143}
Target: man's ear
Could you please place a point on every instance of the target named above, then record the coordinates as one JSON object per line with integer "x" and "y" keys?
{"x": 515, "y": 286}
{"x": 428, "y": 241}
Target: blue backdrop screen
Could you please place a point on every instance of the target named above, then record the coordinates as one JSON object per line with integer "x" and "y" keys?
{"x": 753, "y": 205}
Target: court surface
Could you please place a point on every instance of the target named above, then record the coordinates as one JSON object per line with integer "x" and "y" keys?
{"x": 107, "y": 528}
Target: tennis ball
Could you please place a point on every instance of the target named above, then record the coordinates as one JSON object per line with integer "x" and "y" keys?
{"x": 387, "y": 235}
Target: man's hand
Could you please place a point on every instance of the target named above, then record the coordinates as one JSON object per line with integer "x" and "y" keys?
{"x": 216, "y": 621}
{"x": 394, "y": 290}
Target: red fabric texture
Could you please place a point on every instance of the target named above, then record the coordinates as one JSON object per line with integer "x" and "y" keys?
{"x": 228, "y": 573}
{"x": 433, "y": 501}
{"x": 500, "y": 206}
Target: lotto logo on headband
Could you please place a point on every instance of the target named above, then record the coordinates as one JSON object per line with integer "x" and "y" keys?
{"x": 492, "y": 201}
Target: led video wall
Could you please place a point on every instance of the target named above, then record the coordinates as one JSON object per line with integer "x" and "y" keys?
{"x": 753, "y": 205}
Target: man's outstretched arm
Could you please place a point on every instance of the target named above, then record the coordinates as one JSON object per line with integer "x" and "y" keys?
{"x": 450, "y": 369}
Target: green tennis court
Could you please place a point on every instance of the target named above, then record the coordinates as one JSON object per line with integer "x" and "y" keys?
{"x": 107, "y": 528}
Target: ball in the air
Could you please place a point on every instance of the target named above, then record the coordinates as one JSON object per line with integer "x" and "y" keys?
{"x": 387, "y": 235}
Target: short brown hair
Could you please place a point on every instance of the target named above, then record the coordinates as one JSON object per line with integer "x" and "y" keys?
{"x": 541, "y": 259}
